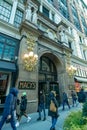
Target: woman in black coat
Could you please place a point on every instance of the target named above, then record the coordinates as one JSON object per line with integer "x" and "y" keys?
{"x": 54, "y": 115}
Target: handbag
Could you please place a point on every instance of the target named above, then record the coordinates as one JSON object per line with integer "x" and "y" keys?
{"x": 52, "y": 107}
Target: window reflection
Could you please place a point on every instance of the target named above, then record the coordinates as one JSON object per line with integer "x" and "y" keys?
{"x": 47, "y": 70}
{"x": 8, "y": 48}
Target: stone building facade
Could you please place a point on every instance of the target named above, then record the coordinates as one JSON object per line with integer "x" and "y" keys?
{"x": 59, "y": 31}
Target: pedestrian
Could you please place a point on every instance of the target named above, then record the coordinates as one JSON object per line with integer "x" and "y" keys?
{"x": 41, "y": 106}
{"x": 65, "y": 100}
{"x": 74, "y": 98}
{"x": 81, "y": 96}
{"x": 53, "y": 112}
{"x": 9, "y": 107}
{"x": 23, "y": 107}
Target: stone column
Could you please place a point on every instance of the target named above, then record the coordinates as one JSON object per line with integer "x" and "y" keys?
{"x": 15, "y": 2}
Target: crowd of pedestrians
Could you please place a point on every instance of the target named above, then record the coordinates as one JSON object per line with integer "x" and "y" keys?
{"x": 12, "y": 101}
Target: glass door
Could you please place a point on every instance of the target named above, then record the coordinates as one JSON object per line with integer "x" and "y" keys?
{"x": 43, "y": 86}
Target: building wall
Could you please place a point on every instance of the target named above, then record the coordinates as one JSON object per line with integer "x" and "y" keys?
{"x": 55, "y": 36}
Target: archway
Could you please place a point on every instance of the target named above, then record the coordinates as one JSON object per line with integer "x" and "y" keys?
{"x": 48, "y": 76}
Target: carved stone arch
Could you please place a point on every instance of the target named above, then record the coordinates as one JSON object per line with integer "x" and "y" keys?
{"x": 55, "y": 57}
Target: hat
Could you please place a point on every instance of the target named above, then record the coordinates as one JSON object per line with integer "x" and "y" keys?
{"x": 24, "y": 93}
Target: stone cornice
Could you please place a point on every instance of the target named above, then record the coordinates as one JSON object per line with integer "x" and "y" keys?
{"x": 58, "y": 44}
{"x": 75, "y": 58}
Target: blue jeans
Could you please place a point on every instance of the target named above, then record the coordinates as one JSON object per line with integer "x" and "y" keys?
{"x": 54, "y": 120}
{"x": 42, "y": 108}
{"x": 3, "y": 119}
{"x": 66, "y": 102}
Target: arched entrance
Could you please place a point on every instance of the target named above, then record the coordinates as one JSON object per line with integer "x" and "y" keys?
{"x": 48, "y": 78}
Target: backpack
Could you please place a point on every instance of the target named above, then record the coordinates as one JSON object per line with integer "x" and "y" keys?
{"x": 52, "y": 107}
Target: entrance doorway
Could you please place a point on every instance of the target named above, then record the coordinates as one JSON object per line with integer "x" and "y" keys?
{"x": 48, "y": 78}
{"x": 47, "y": 87}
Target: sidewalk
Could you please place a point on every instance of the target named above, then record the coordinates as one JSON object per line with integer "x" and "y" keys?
{"x": 43, "y": 125}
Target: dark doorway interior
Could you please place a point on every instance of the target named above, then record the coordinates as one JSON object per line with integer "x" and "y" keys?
{"x": 47, "y": 87}
{"x": 48, "y": 78}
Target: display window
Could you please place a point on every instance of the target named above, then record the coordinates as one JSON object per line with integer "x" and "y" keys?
{"x": 3, "y": 86}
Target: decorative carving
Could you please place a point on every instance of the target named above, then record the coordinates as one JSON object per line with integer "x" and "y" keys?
{"x": 30, "y": 59}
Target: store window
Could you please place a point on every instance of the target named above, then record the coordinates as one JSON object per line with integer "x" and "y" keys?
{"x": 8, "y": 48}
{"x": 3, "y": 86}
{"x": 5, "y": 10}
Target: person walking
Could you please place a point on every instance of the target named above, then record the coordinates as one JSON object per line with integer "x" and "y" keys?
{"x": 41, "y": 106}
{"x": 81, "y": 96}
{"x": 74, "y": 98}
{"x": 65, "y": 101}
{"x": 9, "y": 107}
{"x": 53, "y": 111}
{"x": 23, "y": 107}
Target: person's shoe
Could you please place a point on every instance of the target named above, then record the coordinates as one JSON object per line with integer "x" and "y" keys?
{"x": 17, "y": 124}
{"x": 39, "y": 119}
{"x": 44, "y": 118}
{"x": 28, "y": 120}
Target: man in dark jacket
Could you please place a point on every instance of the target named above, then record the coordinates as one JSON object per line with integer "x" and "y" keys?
{"x": 9, "y": 108}
{"x": 41, "y": 106}
{"x": 65, "y": 101}
{"x": 81, "y": 96}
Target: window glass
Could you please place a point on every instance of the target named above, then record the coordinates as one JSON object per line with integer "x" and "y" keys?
{"x": 5, "y": 10}
{"x": 45, "y": 11}
{"x": 8, "y": 48}
{"x": 1, "y": 49}
{"x": 9, "y": 53}
{"x": 75, "y": 18}
{"x": 18, "y": 18}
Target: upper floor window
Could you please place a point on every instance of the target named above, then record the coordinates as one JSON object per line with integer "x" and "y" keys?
{"x": 8, "y": 48}
{"x": 64, "y": 2}
{"x": 5, "y": 10}
{"x": 45, "y": 11}
{"x": 53, "y": 17}
{"x": 80, "y": 39}
{"x": 75, "y": 18}
{"x": 18, "y": 18}
{"x": 84, "y": 25}
{"x": 21, "y": 1}
{"x": 70, "y": 46}
{"x": 50, "y": 1}
{"x": 63, "y": 9}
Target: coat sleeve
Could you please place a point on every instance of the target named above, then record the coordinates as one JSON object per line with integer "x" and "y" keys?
{"x": 8, "y": 103}
{"x": 55, "y": 101}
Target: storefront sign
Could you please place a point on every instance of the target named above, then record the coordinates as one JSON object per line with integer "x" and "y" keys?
{"x": 27, "y": 85}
